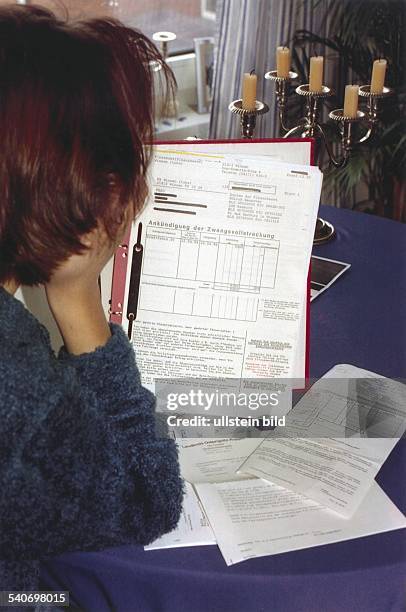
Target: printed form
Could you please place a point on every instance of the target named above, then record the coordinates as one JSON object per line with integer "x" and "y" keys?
{"x": 289, "y": 151}
{"x": 254, "y": 518}
{"x": 336, "y": 438}
{"x": 214, "y": 459}
{"x": 226, "y": 244}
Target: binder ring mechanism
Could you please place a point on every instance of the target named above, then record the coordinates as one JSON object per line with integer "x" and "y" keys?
{"x": 130, "y": 317}
{"x": 135, "y": 279}
{"x": 116, "y": 312}
{"x": 124, "y": 248}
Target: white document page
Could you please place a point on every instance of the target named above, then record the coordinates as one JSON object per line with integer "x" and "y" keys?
{"x": 227, "y": 244}
{"x": 335, "y": 471}
{"x": 351, "y": 402}
{"x": 214, "y": 459}
{"x": 193, "y": 528}
{"x": 289, "y": 152}
{"x": 254, "y": 518}
{"x": 325, "y": 471}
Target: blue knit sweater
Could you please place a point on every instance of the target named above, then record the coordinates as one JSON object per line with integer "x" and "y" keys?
{"x": 81, "y": 467}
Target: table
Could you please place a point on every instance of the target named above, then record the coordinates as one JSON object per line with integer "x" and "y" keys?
{"x": 359, "y": 320}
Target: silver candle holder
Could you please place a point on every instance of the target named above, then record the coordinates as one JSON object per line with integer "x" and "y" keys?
{"x": 248, "y": 118}
{"x": 281, "y": 92}
{"x": 373, "y": 100}
{"x": 346, "y": 126}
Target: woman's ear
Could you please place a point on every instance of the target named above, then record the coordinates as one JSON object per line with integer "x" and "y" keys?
{"x": 88, "y": 239}
{"x": 96, "y": 239}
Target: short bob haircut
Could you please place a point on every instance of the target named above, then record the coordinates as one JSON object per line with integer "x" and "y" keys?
{"x": 76, "y": 114}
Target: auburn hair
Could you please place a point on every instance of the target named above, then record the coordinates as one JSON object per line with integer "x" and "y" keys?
{"x": 76, "y": 116}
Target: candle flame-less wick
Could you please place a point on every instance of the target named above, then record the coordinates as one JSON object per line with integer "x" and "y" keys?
{"x": 252, "y": 71}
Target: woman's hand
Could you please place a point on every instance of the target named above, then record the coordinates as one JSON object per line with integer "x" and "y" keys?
{"x": 74, "y": 297}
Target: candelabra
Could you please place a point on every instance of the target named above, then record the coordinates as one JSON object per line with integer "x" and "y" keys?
{"x": 311, "y": 127}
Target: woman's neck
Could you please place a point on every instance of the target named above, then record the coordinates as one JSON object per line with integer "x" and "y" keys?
{"x": 10, "y": 286}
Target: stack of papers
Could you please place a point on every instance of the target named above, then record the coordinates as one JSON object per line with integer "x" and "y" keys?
{"x": 307, "y": 486}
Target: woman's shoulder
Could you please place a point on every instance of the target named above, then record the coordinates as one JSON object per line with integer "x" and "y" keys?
{"x": 26, "y": 374}
{"x": 37, "y": 393}
{"x": 26, "y": 356}
{"x": 20, "y": 331}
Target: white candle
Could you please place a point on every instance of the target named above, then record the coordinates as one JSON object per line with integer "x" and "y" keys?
{"x": 378, "y": 76}
{"x": 351, "y": 101}
{"x": 249, "y": 91}
{"x": 316, "y": 73}
{"x": 282, "y": 61}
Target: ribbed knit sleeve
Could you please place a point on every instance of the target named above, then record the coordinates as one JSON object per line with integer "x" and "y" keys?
{"x": 83, "y": 468}
{"x": 111, "y": 373}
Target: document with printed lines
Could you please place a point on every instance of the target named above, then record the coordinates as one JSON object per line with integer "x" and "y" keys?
{"x": 222, "y": 285}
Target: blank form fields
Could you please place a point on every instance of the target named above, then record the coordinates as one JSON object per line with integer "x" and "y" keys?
{"x": 214, "y": 261}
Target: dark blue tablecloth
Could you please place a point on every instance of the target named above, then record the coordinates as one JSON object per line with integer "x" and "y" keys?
{"x": 359, "y": 320}
{"x": 362, "y": 318}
